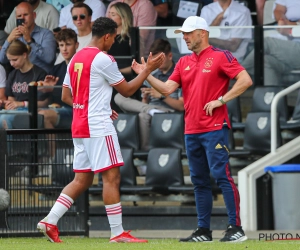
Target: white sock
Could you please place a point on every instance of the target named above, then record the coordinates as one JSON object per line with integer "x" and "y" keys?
{"x": 114, "y": 215}
{"x": 153, "y": 111}
{"x": 61, "y": 206}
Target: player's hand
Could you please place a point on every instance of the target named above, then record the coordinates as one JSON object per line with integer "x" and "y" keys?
{"x": 137, "y": 67}
{"x": 114, "y": 115}
{"x": 15, "y": 34}
{"x": 48, "y": 81}
{"x": 210, "y": 106}
{"x": 154, "y": 63}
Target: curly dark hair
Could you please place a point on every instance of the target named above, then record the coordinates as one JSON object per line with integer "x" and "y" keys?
{"x": 103, "y": 26}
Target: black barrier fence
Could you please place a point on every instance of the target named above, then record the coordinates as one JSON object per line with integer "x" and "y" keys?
{"x": 35, "y": 166}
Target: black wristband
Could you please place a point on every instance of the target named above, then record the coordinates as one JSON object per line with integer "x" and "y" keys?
{"x": 162, "y": 97}
{"x": 32, "y": 41}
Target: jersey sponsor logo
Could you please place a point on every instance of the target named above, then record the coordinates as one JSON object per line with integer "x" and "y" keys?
{"x": 209, "y": 62}
{"x": 78, "y": 106}
{"x": 206, "y": 70}
{"x": 187, "y": 68}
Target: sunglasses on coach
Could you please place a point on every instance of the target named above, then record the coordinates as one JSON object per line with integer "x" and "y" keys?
{"x": 81, "y": 16}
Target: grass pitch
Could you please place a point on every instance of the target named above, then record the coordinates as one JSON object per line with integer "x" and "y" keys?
{"x": 74, "y": 243}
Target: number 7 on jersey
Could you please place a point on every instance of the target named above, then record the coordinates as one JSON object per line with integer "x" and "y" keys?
{"x": 78, "y": 67}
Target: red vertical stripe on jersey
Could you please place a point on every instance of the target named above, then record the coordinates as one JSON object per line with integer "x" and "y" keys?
{"x": 80, "y": 72}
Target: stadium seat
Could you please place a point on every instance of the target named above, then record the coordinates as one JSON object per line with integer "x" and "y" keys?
{"x": 167, "y": 130}
{"x": 128, "y": 175}
{"x": 62, "y": 167}
{"x": 257, "y": 135}
{"x": 164, "y": 173}
{"x": 22, "y": 121}
{"x": 262, "y": 100}
{"x": 127, "y": 128}
{"x": 234, "y": 110}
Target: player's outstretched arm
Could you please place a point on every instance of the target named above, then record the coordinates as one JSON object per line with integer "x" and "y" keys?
{"x": 165, "y": 88}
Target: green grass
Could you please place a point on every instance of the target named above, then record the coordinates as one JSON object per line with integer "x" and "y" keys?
{"x": 73, "y": 243}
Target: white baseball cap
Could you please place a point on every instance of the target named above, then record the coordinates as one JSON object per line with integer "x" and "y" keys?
{"x": 193, "y": 23}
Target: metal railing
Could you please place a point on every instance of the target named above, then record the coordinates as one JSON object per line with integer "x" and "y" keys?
{"x": 34, "y": 177}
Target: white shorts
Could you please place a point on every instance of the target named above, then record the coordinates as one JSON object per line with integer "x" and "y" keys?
{"x": 96, "y": 154}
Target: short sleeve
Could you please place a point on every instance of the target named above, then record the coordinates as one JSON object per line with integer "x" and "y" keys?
{"x": 107, "y": 67}
{"x": 66, "y": 83}
{"x": 2, "y": 77}
{"x": 9, "y": 82}
{"x": 176, "y": 75}
{"x": 230, "y": 66}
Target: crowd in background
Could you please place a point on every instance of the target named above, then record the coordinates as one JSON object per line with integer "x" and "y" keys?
{"x": 30, "y": 29}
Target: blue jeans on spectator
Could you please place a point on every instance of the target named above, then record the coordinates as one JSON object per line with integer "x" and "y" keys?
{"x": 8, "y": 116}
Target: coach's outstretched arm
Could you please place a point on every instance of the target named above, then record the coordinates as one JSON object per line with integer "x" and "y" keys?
{"x": 165, "y": 88}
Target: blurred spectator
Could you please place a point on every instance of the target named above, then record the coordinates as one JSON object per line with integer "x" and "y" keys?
{"x": 144, "y": 14}
{"x": 287, "y": 12}
{"x": 279, "y": 54}
{"x": 82, "y": 18}
{"x": 41, "y": 40}
{"x": 59, "y": 114}
{"x": 58, "y": 4}
{"x": 260, "y": 5}
{"x": 153, "y": 101}
{"x": 16, "y": 88}
{"x": 46, "y": 16}
{"x": 161, "y": 7}
{"x": 121, "y": 13}
{"x": 66, "y": 21}
{"x": 2, "y": 83}
{"x": 229, "y": 13}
